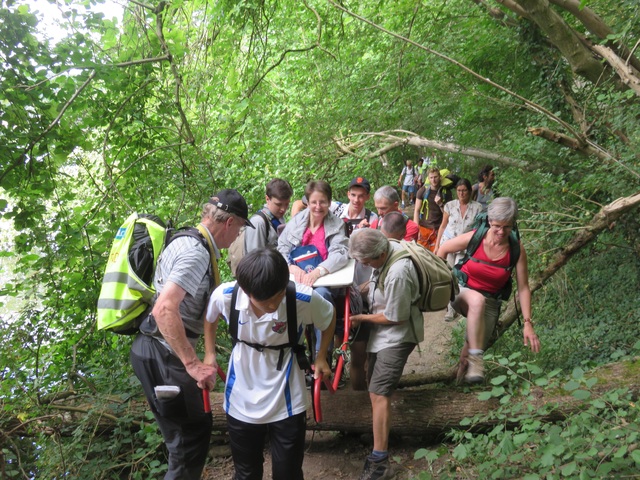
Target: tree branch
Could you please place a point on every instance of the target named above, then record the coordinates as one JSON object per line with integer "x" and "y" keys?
{"x": 566, "y": 141}
{"x": 600, "y": 221}
{"x": 528, "y": 103}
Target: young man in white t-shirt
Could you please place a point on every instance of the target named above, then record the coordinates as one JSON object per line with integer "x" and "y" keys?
{"x": 265, "y": 390}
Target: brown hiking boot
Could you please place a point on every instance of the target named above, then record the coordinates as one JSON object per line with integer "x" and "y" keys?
{"x": 475, "y": 370}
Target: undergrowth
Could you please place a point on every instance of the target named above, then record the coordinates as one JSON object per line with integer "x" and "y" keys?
{"x": 588, "y": 315}
{"x": 599, "y": 440}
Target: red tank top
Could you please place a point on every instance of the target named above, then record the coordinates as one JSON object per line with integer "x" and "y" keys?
{"x": 487, "y": 275}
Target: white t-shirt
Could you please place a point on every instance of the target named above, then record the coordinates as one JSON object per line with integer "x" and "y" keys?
{"x": 409, "y": 174}
{"x": 256, "y": 391}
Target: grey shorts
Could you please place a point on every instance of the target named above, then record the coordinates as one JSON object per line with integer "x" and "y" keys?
{"x": 491, "y": 314}
{"x": 385, "y": 368}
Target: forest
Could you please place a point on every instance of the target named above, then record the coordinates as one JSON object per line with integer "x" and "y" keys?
{"x": 111, "y": 107}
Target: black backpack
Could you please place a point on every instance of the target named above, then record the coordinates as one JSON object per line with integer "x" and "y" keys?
{"x": 351, "y": 223}
{"x": 127, "y": 292}
{"x": 292, "y": 329}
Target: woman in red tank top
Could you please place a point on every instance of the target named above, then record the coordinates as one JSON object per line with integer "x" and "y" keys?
{"x": 487, "y": 273}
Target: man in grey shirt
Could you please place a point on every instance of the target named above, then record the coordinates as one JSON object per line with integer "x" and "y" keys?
{"x": 163, "y": 353}
{"x": 396, "y": 327}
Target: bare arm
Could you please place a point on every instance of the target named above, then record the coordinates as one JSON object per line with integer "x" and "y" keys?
{"x": 455, "y": 244}
{"x": 210, "y": 332}
{"x": 166, "y": 312}
{"x": 443, "y": 227}
{"x": 377, "y": 318}
{"x": 322, "y": 367}
{"x": 524, "y": 295}
{"x": 416, "y": 210}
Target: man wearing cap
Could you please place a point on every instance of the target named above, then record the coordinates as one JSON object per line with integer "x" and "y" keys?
{"x": 163, "y": 353}
{"x": 355, "y": 214}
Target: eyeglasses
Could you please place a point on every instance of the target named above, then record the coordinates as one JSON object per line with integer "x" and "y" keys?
{"x": 503, "y": 228}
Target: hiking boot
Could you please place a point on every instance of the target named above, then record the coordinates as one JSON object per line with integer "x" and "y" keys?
{"x": 475, "y": 369}
{"x": 451, "y": 316}
{"x": 376, "y": 470}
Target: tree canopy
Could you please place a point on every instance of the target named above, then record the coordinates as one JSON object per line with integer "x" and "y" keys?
{"x": 156, "y": 109}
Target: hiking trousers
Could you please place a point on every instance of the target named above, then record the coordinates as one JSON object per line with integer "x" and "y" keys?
{"x": 184, "y": 425}
{"x": 287, "y": 447}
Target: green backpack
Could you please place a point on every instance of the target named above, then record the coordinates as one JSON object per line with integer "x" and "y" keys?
{"x": 127, "y": 291}
{"x": 437, "y": 284}
{"x": 481, "y": 226}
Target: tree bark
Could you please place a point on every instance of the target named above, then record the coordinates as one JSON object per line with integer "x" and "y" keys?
{"x": 580, "y": 57}
{"x": 597, "y": 27}
{"x": 425, "y": 411}
{"x": 399, "y": 138}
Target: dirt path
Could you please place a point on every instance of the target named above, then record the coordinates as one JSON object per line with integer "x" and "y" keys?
{"x": 333, "y": 455}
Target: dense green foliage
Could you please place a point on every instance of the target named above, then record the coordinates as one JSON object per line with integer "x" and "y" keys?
{"x": 155, "y": 110}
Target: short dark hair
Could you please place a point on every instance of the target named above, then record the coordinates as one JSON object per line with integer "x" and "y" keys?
{"x": 318, "y": 186}
{"x": 394, "y": 224}
{"x": 263, "y": 273}
{"x": 280, "y": 189}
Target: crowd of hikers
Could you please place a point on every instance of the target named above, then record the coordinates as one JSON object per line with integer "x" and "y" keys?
{"x": 272, "y": 302}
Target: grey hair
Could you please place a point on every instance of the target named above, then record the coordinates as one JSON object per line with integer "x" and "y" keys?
{"x": 368, "y": 244}
{"x": 214, "y": 213}
{"x": 503, "y": 209}
{"x": 386, "y": 192}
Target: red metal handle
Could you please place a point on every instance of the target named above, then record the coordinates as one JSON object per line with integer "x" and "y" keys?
{"x": 206, "y": 398}
{"x": 206, "y": 401}
{"x": 333, "y": 386}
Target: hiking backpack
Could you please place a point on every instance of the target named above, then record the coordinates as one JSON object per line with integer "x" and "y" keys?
{"x": 127, "y": 291}
{"x": 437, "y": 285}
{"x": 236, "y": 251}
{"x": 448, "y": 183}
{"x": 481, "y": 226}
{"x": 292, "y": 329}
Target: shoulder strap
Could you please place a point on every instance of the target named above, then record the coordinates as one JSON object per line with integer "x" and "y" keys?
{"x": 267, "y": 222}
{"x": 233, "y": 316}
{"x": 292, "y": 315}
{"x": 212, "y": 254}
{"x": 367, "y": 214}
{"x": 424, "y": 208}
{"x": 393, "y": 258}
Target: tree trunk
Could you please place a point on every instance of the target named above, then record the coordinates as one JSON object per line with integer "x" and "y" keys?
{"x": 565, "y": 39}
{"x": 424, "y": 411}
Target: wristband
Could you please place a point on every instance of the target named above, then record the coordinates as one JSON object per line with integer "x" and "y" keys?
{"x": 528, "y": 320}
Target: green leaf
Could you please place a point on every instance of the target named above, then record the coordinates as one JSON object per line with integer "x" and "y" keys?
{"x": 499, "y": 379}
{"x": 460, "y": 452}
{"x": 571, "y": 385}
{"x": 483, "y": 396}
{"x": 581, "y": 394}
{"x": 569, "y": 469}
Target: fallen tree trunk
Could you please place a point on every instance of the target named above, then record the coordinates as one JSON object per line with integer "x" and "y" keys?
{"x": 426, "y": 411}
